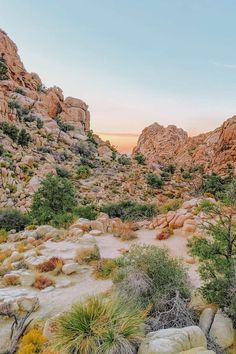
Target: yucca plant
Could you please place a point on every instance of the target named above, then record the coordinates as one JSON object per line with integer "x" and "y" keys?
{"x": 100, "y": 325}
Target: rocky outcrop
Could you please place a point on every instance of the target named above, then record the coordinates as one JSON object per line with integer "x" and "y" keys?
{"x": 214, "y": 150}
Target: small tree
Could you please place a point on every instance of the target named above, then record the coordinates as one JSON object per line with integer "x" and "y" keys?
{"x": 154, "y": 181}
{"x": 24, "y": 138}
{"x": 140, "y": 159}
{"x": 217, "y": 252}
{"x": 56, "y": 196}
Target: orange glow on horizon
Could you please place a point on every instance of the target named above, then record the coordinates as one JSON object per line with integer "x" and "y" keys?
{"x": 124, "y": 142}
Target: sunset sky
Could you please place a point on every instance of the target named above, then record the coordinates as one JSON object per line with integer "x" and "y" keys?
{"x": 133, "y": 62}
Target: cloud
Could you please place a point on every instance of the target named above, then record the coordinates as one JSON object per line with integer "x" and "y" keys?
{"x": 225, "y": 65}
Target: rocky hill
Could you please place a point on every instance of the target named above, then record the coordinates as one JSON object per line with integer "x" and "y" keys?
{"x": 214, "y": 150}
{"x": 39, "y": 130}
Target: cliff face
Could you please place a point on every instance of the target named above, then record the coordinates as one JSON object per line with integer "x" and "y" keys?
{"x": 214, "y": 150}
{"x": 27, "y": 89}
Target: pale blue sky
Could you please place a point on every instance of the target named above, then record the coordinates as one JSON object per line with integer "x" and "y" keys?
{"x": 133, "y": 62}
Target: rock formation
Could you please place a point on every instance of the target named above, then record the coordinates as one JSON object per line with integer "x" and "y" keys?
{"x": 214, "y": 150}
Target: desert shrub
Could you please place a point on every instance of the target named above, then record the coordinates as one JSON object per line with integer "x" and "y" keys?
{"x": 100, "y": 325}
{"x": 140, "y": 159}
{"x": 170, "y": 205}
{"x": 83, "y": 172}
{"x": 104, "y": 268}
{"x": 126, "y": 231}
{"x": 39, "y": 123}
{"x": 13, "y": 219}
{"x": 84, "y": 148}
{"x": 61, "y": 172}
{"x": 63, "y": 126}
{"x": 91, "y": 138}
{"x": 164, "y": 274}
{"x": 87, "y": 254}
{"x": 54, "y": 198}
{"x": 11, "y": 280}
{"x": 128, "y": 210}
{"x": 24, "y": 138}
{"x": 3, "y": 235}
{"x": 124, "y": 160}
{"x": 187, "y": 175}
{"x": 9, "y": 129}
{"x": 154, "y": 181}
{"x": 87, "y": 162}
{"x": 1, "y": 150}
{"x": 51, "y": 264}
{"x": 3, "y": 69}
{"x": 169, "y": 169}
{"x": 42, "y": 281}
{"x": 32, "y": 342}
{"x": 12, "y": 104}
{"x": 5, "y": 254}
{"x": 89, "y": 211}
{"x": 165, "y": 176}
{"x": 217, "y": 252}
{"x": 213, "y": 184}
{"x": 20, "y": 91}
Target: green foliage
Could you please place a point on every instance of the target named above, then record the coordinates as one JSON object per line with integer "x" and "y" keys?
{"x": 187, "y": 175}
{"x": 3, "y": 69}
{"x": 64, "y": 219}
{"x": 169, "y": 169}
{"x": 162, "y": 274}
{"x": 100, "y": 325}
{"x": 217, "y": 251}
{"x": 1, "y": 150}
{"x": 140, "y": 159}
{"x": 39, "y": 123}
{"x": 63, "y": 126}
{"x": 56, "y": 196}
{"x": 12, "y": 104}
{"x": 61, "y": 172}
{"x": 83, "y": 171}
{"x": 124, "y": 160}
{"x": 171, "y": 205}
{"x": 213, "y": 184}
{"x": 84, "y": 148}
{"x": 154, "y": 181}
{"x": 89, "y": 211}
{"x": 20, "y": 91}
{"x": 91, "y": 137}
{"x": 24, "y": 138}
{"x": 128, "y": 210}
{"x": 9, "y": 129}
{"x": 13, "y": 219}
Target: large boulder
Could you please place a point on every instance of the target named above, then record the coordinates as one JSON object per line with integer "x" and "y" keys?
{"x": 222, "y": 331}
{"x": 173, "y": 341}
{"x": 206, "y": 319}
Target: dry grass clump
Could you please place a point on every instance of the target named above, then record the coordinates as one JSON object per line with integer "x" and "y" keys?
{"x": 42, "y": 282}
{"x": 5, "y": 254}
{"x": 21, "y": 248}
{"x": 170, "y": 205}
{"x": 87, "y": 254}
{"x": 126, "y": 231}
{"x": 104, "y": 268}
{"x": 51, "y": 264}
{"x": 11, "y": 280}
{"x": 100, "y": 325}
{"x": 32, "y": 342}
{"x": 3, "y": 235}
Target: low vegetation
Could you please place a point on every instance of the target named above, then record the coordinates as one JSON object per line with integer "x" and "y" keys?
{"x": 13, "y": 219}
{"x": 154, "y": 181}
{"x": 128, "y": 210}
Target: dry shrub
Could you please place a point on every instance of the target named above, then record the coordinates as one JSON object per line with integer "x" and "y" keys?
{"x": 5, "y": 254}
{"x": 126, "y": 232}
{"x": 21, "y": 248}
{"x": 32, "y": 342}
{"x": 3, "y": 235}
{"x": 164, "y": 234}
{"x": 51, "y": 264}
{"x": 42, "y": 282}
{"x": 85, "y": 227}
{"x": 104, "y": 268}
{"x": 11, "y": 280}
{"x": 87, "y": 254}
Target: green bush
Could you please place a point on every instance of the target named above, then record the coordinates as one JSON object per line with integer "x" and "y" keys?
{"x": 100, "y": 325}
{"x": 154, "y": 181}
{"x": 124, "y": 160}
{"x": 1, "y": 150}
{"x": 166, "y": 176}
{"x": 39, "y": 123}
{"x": 24, "y": 138}
{"x": 13, "y": 219}
{"x": 63, "y": 220}
{"x": 9, "y": 129}
{"x": 89, "y": 211}
{"x": 169, "y": 169}
{"x": 20, "y": 91}
{"x": 213, "y": 184}
{"x": 61, "y": 172}
{"x": 187, "y": 175}
{"x": 170, "y": 205}
{"x": 160, "y": 276}
{"x": 3, "y": 69}
{"x": 128, "y": 210}
{"x": 217, "y": 252}
{"x": 83, "y": 172}
{"x": 56, "y": 196}
{"x": 85, "y": 149}
{"x": 91, "y": 138}
{"x": 140, "y": 159}
{"x": 63, "y": 126}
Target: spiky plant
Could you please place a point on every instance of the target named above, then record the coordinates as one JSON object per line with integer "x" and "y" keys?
{"x": 100, "y": 325}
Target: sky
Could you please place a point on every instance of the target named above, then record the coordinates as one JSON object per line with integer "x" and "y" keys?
{"x": 133, "y": 62}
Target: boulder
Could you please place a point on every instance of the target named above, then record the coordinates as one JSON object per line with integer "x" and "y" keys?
{"x": 26, "y": 303}
{"x": 199, "y": 350}
{"x": 173, "y": 340}
{"x": 27, "y": 278}
{"x": 206, "y": 319}
{"x": 222, "y": 330}
{"x": 70, "y": 268}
